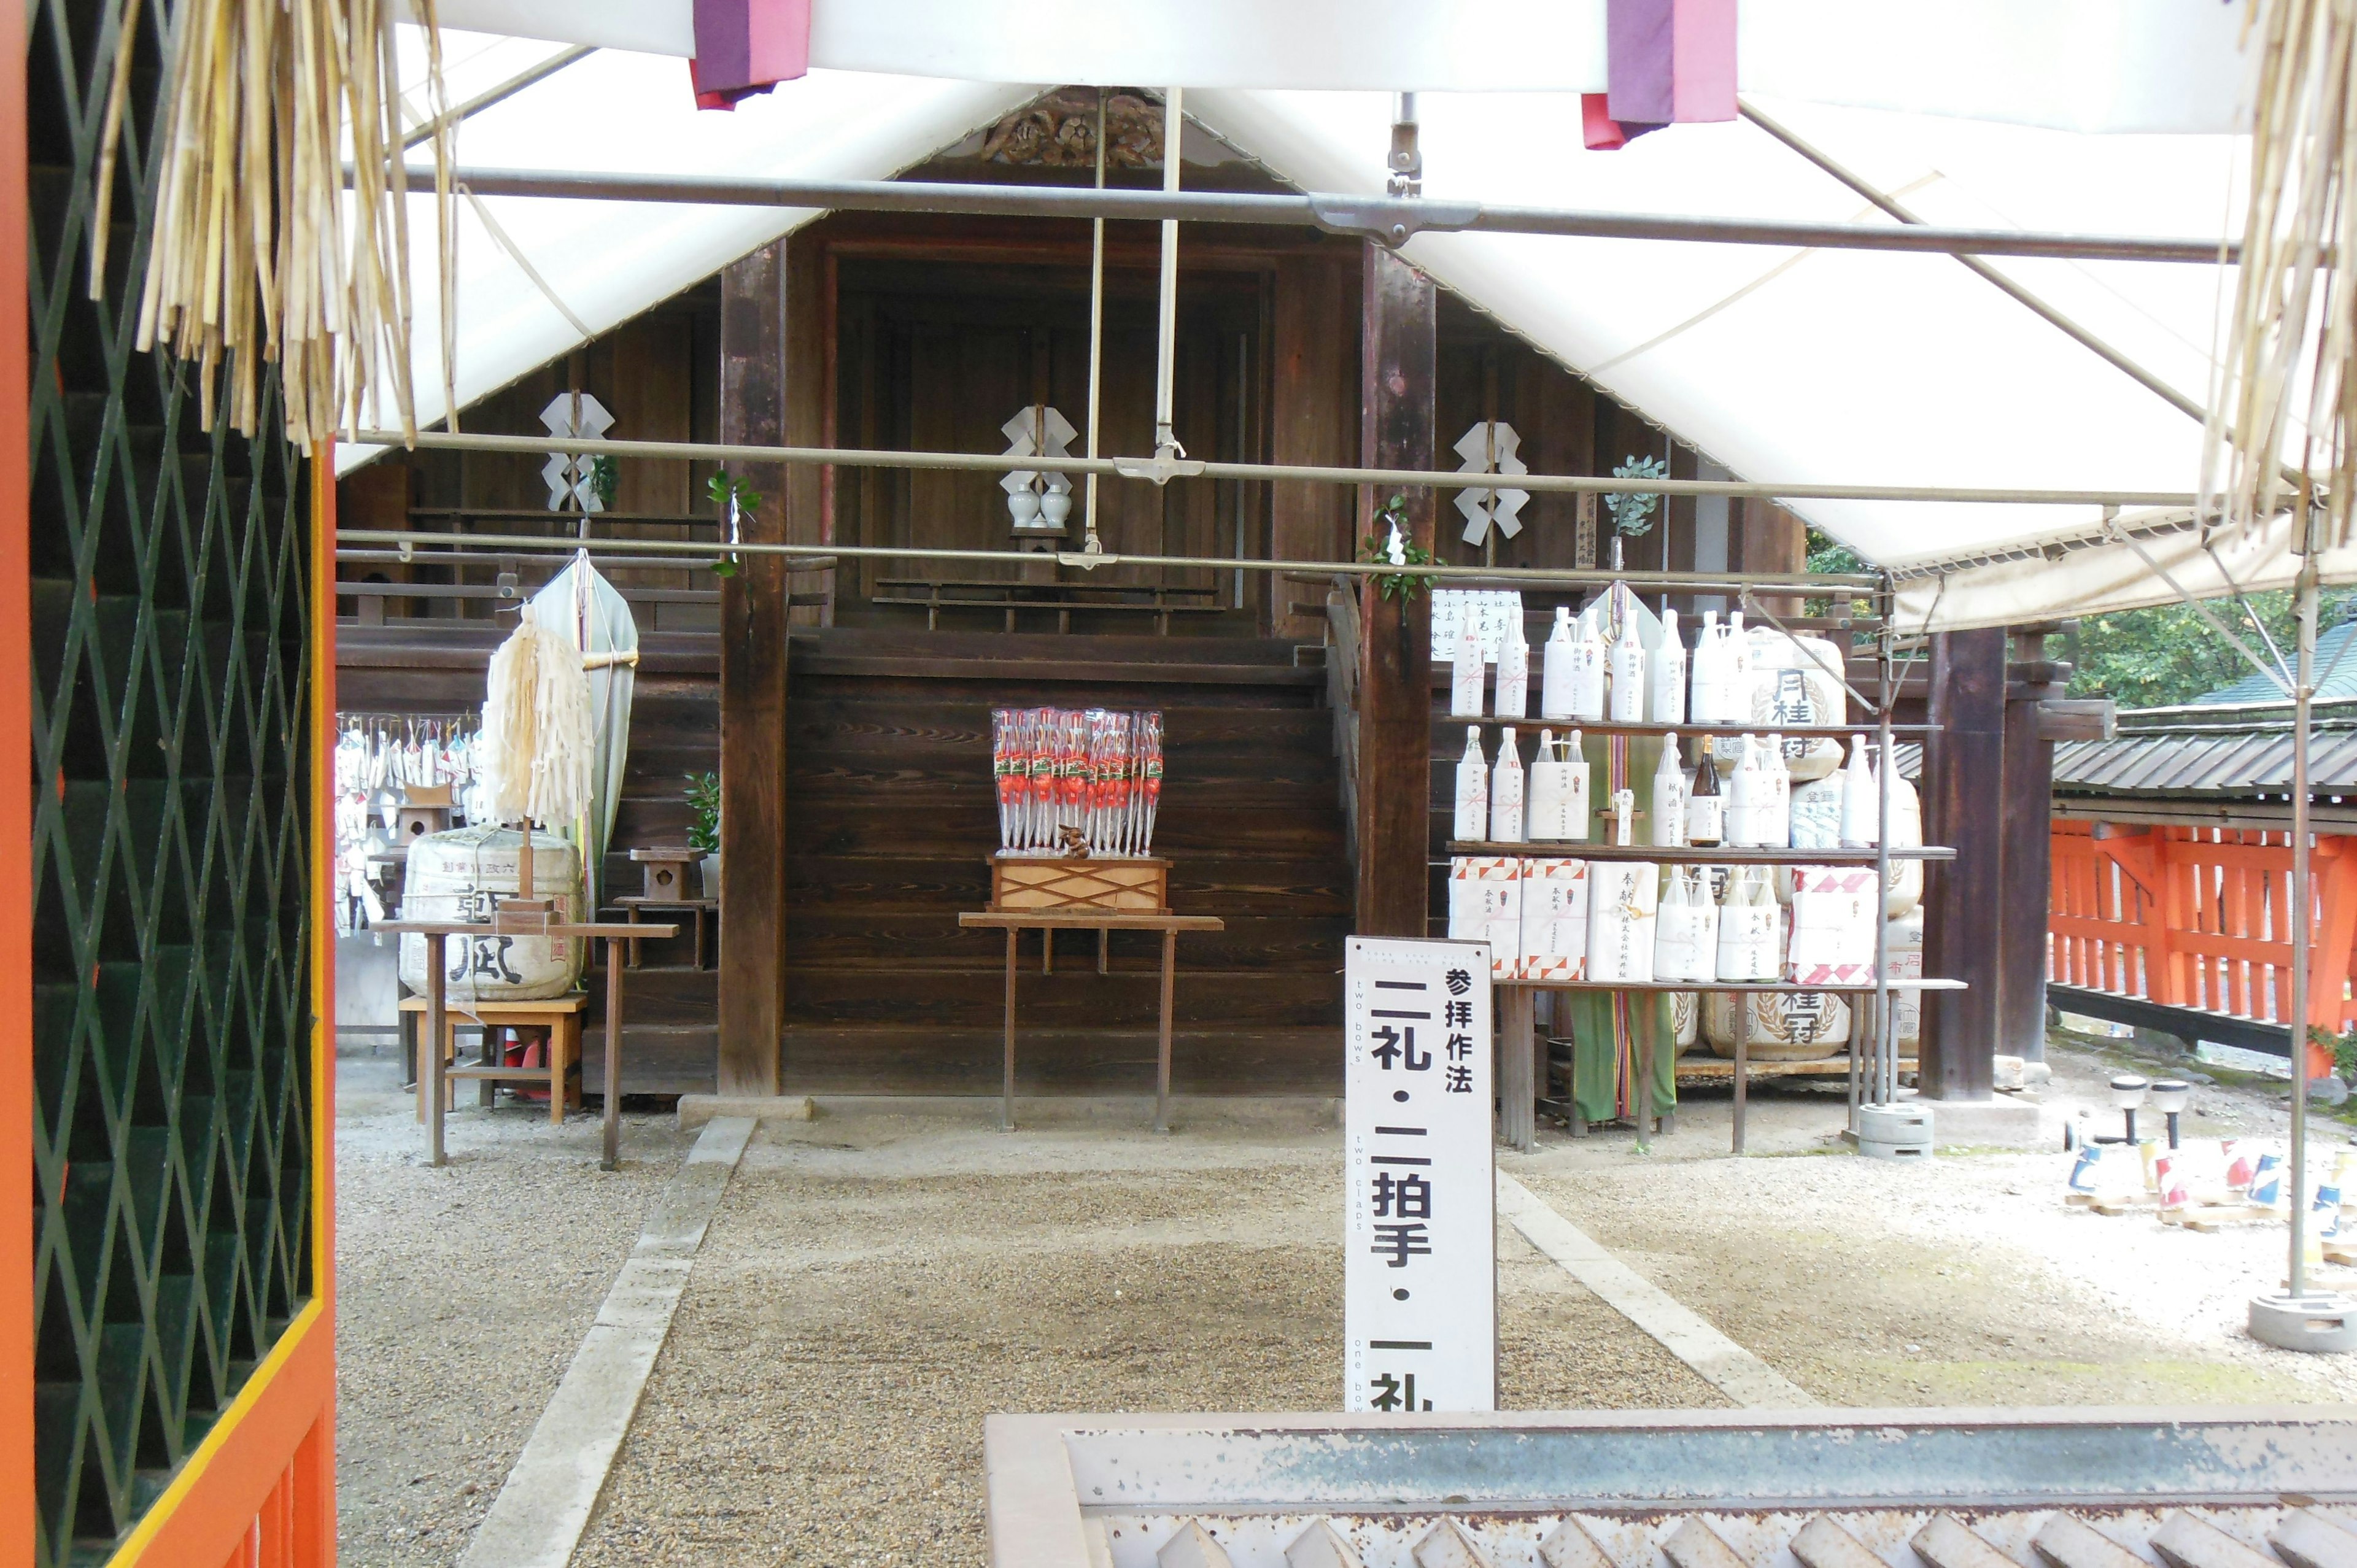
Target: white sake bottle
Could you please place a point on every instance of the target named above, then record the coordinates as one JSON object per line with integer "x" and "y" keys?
{"x": 1514, "y": 694}
{"x": 1555, "y": 674}
{"x": 1704, "y": 673}
{"x": 1673, "y": 928}
{"x": 1466, "y": 678}
{"x": 1549, "y": 783}
{"x": 1628, "y": 673}
{"x": 1668, "y": 676}
{"x": 1746, "y": 930}
{"x": 1669, "y": 819}
{"x": 1744, "y": 787}
{"x": 1861, "y": 802}
{"x": 1472, "y": 788}
{"x": 1506, "y": 824}
{"x": 1574, "y": 791}
{"x": 1587, "y": 670}
{"x": 1776, "y": 803}
{"x": 1736, "y": 674}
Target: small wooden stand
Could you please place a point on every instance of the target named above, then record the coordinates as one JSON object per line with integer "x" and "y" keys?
{"x": 1048, "y": 923}
{"x": 668, "y": 874}
{"x": 437, "y": 933}
{"x": 425, "y": 809}
{"x": 560, "y": 1015}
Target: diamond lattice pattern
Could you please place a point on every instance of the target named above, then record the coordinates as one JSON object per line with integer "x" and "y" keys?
{"x": 172, "y": 1139}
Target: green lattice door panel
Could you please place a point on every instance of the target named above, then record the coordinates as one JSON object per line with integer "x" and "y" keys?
{"x": 170, "y": 626}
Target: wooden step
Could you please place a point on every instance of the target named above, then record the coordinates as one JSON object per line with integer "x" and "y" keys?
{"x": 822, "y": 1060}
{"x": 826, "y": 715}
{"x": 834, "y": 937}
{"x": 894, "y": 883}
{"x": 1075, "y": 999}
{"x": 1182, "y": 827}
{"x": 1060, "y": 649}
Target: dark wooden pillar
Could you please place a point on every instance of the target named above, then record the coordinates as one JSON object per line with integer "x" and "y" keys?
{"x": 753, "y": 605}
{"x": 1964, "y": 802}
{"x": 1395, "y": 431}
{"x": 1311, "y": 373}
{"x": 2032, "y": 681}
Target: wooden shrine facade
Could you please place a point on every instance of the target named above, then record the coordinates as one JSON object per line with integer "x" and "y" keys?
{"x": 847, "y": 710}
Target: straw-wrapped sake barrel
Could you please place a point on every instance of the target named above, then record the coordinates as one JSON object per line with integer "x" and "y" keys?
{"x": 458, "y": 875}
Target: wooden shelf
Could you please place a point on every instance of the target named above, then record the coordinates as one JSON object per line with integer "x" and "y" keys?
{"x": 1597, "y": 726}
{"x": 1574, "y": 849}
{"x": 1770, "y": 987}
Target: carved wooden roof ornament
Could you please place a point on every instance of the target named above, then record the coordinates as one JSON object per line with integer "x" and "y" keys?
{"x": 1060, "y": 131}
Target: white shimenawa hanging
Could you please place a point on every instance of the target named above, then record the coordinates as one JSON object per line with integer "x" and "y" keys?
{"x": 540, "y": 740}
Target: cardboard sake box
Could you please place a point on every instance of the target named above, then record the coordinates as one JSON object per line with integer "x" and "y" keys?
{"x": 1555, "y": 919}
{"x": 1485, "y": 905}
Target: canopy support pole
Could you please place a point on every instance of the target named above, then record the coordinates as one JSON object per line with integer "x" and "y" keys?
{"x": 1166, "y": 346}
{"x": 1096, "y": 340}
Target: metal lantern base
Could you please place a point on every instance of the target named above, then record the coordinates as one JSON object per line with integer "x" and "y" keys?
{"x": 2319, "y": 1321}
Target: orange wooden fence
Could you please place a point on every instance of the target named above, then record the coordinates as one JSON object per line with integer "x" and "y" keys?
{"x": 2200, "y": 919}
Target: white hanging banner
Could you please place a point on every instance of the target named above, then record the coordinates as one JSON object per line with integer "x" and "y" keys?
{"x": 1420, "y": 1271}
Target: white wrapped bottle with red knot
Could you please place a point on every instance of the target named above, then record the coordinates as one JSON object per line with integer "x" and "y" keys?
{"x": 461, "y": 875}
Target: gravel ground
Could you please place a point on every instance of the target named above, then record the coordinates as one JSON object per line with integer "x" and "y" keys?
{"x": 461, "y": 1296}
{"x": 1961, "y": 1280}
{"x": 876, "y": 1284}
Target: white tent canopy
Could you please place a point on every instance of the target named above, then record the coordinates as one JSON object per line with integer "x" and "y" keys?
{"x": 1785, "y": 366}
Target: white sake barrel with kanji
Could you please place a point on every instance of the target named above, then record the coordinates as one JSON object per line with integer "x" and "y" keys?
{"x": 461, "y": 875}
{"x": 1786, "y": 1026}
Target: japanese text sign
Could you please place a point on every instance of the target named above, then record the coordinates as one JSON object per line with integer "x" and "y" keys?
{"x": 1419, "y": 1279}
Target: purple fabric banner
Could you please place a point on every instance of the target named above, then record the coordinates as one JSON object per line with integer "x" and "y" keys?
{"x": 744, "y": 47}
{"x": 1664, "y": 62}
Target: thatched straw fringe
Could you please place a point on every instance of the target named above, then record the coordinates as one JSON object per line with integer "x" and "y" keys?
{"x": 2293, "y": 312}
{"x": 253, "y": 261}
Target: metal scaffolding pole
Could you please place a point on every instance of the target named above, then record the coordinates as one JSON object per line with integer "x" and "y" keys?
{"x": 1390, "y": 219}
{"x": 2299, "y": 1319}
{"x": 1157, "y": 471}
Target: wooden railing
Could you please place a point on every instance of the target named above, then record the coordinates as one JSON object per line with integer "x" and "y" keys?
{"x": 2200, "y": 918}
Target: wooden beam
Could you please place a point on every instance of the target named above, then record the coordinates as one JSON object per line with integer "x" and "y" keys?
{"x": 753, "y": 611}
{"x": 1398, "y": 305}
{"x": 1964, "y": 807}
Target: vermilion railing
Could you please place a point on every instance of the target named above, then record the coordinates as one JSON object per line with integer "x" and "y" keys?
{"x": 2200, "y": 917}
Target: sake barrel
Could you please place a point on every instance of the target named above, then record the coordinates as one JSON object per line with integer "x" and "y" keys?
{"x": 1904, "y": 888}
{"x": 1795, "y": 681}
{"x": 1786, "y": 1026}
{"x": 1686, "y": 1019}
{"x": 459, "y": 876}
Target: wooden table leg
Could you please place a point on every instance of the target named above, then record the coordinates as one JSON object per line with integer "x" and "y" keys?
{"x": 1743, "y": 1062}
{"x": 611, "y": 1156}
{"x": 1047, "y": 949}
{"x": 559, "y": 1043}
{"x": 437, "y": 1025}
{"x": 1104, "y": 949}
{"x": 1006, "y": 1088}
{"x": 1517, "y": 1095}
{"x": 630, "y": 917}
{"x": 493, "y": 1054}
{"x": 1162, "y": 1054}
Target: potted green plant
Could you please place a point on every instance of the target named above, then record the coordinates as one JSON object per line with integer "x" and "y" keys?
{"x": 703, "y": 800}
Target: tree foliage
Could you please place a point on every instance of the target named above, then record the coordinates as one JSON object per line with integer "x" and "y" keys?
{"x": 2167, "y": 655}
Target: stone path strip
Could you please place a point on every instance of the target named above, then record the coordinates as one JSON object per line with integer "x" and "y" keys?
{"x": 547, "y": 1498}
{"x": 1729, "y": 1366}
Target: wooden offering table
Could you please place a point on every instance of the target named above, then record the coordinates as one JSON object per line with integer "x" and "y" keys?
{"x": 433, "y": 1072}
{"x": 1103, "y": 922}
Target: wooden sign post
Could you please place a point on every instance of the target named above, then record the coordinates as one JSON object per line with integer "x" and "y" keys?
{"x": 1420, "y": 1272}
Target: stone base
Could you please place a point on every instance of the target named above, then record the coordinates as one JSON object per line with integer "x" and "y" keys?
{"x": 695, "y": 1110}
{"x": 2319, "y": 1321}
{"x": 2000, "y": 1123}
